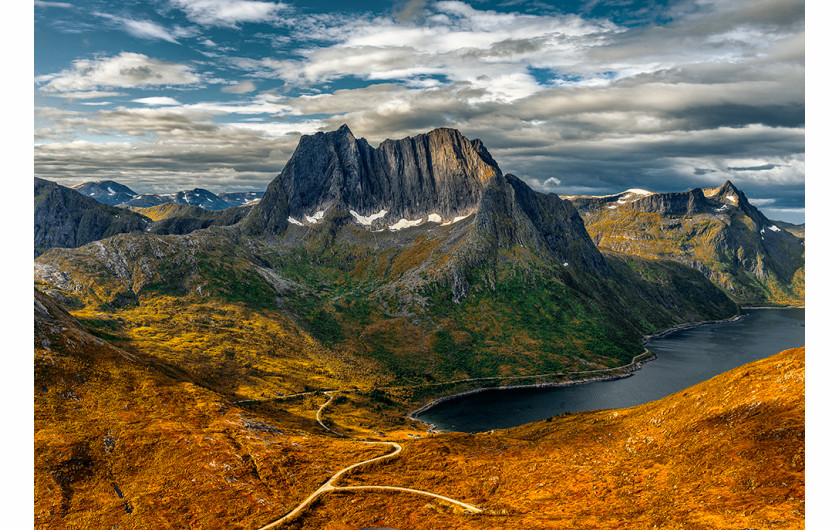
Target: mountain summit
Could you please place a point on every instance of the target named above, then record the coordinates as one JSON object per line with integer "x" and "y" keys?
{"x": 438, "y": 176}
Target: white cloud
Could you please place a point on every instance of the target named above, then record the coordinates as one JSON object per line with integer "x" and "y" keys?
{"x": 126, "y": 70}
{"x": 90, "y": 94}
{"x": 227, "y": 12}
{"x": 143, "y": 29}
{"x": 240, "y": 88}
{"x": 157, "y": 101}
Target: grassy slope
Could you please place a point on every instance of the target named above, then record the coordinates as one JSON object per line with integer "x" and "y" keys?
{"x": 119, "y": 443}
{"x": 725, "y": 454}
{"x": 699, "y": 239}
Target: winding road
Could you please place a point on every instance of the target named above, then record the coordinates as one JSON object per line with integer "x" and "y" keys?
{"x": 329, "y": 485}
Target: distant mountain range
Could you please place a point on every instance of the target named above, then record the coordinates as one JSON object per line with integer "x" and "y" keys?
{"x": 67, "y": 219}
{"x": 116, "y": 194}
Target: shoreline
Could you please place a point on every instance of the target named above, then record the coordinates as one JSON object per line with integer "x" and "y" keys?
{"x": 632, "y": 367}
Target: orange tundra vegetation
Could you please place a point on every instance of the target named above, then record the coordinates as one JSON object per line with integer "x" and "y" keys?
{"x": 727, "y": 453}
{"x": 118, "y": 442}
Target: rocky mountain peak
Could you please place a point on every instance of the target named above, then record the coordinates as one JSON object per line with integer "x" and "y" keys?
{"x": 437, "y": 176}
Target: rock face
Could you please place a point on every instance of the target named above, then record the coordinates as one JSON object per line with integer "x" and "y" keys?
{"x": 439, "y": 177}
{"x": 66, "y": 218}
{"x": 714, "y": 230}
{"x": 439, "y": 174}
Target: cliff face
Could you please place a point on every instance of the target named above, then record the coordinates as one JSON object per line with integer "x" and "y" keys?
{"x": 439, "y": 174}
{"x": 66, "y": 218}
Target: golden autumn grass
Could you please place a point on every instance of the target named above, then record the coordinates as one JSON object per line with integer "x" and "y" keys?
{"x": 118, "y": 442}
{"x": 727, "y": 453}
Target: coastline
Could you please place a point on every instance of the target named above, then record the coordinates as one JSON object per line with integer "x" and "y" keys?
{"x": 632, "y": 367}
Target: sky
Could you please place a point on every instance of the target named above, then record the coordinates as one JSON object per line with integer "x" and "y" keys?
{"x": 574, "y": 97}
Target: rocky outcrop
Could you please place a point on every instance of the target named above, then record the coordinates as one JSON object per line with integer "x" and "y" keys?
{"x": 512, "y": 214}
{"x": 439, "y": 174}
{"x": 66, "y": 218}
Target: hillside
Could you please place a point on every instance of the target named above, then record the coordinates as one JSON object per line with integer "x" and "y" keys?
{"x": 725, "y": 454}
{"x": 714, "y": 230}
{"x": 728, "y": 453}
{"x": 118, "y": 443}
{"x": 65, "y": 218}
{"x": 173, "y": 218}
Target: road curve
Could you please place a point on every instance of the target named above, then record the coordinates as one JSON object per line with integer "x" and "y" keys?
{"x": 329, "y": 484}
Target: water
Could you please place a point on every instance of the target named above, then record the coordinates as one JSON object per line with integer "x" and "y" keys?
{"x": 684, "y": 358}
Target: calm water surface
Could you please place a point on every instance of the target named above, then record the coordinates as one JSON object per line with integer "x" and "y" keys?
{"x": 684, "y": 358}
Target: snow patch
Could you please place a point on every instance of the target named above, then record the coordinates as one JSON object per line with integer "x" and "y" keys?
{"x": 613, "y": 207}
{"x": 367, "y": 220}
{"x": 732, "y": 198}
{"x": 294, "y": 221}
{"x": 404, "y": 223}
{"x": 455, "y": 220}
{"x": 722, "y": 208}
{"x": 639, "y": 191}
{"x": 775, "y": 228}
{"x": 314, "y": 218}
{"x": 110, "y": 191}
{"x": 435, "y": 218}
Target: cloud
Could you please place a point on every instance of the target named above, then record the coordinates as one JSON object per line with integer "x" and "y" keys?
{"x": 410, "y": 11}
{"x": 90, "y": 94}
{"x": 157, "y": 101}
{"x": 126, "y": 70}
{"x": 763, "y": 167}
{"x": 52, "y": 4}
{"x": 143, "y": 29}
{"x": 227, "y": 13}
{"x": 240, "y": 88}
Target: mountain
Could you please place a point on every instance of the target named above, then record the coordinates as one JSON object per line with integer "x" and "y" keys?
{"x": 714, "y": 230}
{"x": 116, "y": 194}
{"x": 485, "y": 276}
{"x": 241, "y": 198}
{"x": 437, "y": 177}
{"x": 195, "y": 197}
{"x": 106, "y": 191}
{"x": 66, "y": 218}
